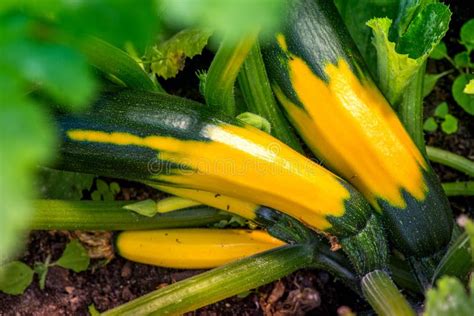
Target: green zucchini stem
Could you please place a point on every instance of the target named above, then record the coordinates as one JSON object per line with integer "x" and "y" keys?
{"x": 450, "y": 159}
{"x": 410, "y": 109}
{"x": 100, "y": 215}
{"x": 383, "y": 295}
{"x": 112, "y": 60}
{"x": 220, "y": 80}
{"x": 258, "y": 96}
{"x": 220, "y": 283}
{"x": 462, "y": 188}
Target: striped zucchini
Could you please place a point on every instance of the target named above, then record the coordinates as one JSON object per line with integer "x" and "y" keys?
{"x": 171, "y": 141}
{"x": 322, "y": 83}
{"x": 198, "y": 248}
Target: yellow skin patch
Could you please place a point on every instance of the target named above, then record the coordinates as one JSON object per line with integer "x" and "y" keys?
{"x": 193, "y": 248}
{"x": 353, "y": 129}
{"x": 244, "y": 163}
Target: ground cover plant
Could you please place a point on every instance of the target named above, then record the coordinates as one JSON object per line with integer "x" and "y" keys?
{"x": 302, "y": 153}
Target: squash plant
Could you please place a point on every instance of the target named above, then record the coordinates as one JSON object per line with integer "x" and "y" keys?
{"x": 377, "y": 213}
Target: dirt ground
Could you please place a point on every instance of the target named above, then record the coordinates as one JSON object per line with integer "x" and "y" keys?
{"x": 304, "y": 292}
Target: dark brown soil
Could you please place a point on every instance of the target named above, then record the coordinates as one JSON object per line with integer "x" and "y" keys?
{"x": 308, "y": 291}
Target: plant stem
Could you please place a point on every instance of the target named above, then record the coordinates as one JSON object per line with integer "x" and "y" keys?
{"x": 410, "y": 109}
{"x": 463, "y": 188}
{"x": 112, "y": 60}
{"x": 220, "y": 283}
{"x": 219, "y": 88}
{"x": 450, "y": 159}
{"x": 98, "y": 215}
{"x": 258, "y": 96}
{"x": 383, "y": 295}
{"x": 457, "y": 260}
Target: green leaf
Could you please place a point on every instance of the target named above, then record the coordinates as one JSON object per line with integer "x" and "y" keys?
{"x": 256, "y": 121}
{"x": 92, "y": 310}
{"x": 430, "y": 125}
{"x": 450, "y": 124}
{"x": 231, "y": 17}
{"x": 27, "y": 140}
{"x": 425, "y": 31}
{"x": 74, "y": 257}
{"x": 356, "y": 13}
{"x": 467, "y": 34}
{"x": 395, "y": 70}
{"x": 439, "y": 52}
{"x": 449, "y": 298}
{"x": 102, "y": 186}
{"x": 466, "y": 101}
{"x": 145, "y": 208}
{"x": 441, "y": 110}
{"x": 469, "y": 88}
{"x": 430, "y": 80}
{"x": 461, "y": 60}
{"x": 114, "y": 188}
{"x": 168, "y": 58}
{"x": 398, "y": 63}
{"x": 63, "y": 185}
{"x": 15, "y": 277}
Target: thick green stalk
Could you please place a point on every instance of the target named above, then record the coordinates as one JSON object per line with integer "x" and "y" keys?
{"x": 410, "y": 109}
{"x": 99, "y": 215}
{"x": 451, "y": 160}
{"x": 222, "y": 282}
{"x": 258, "y": 96}
{"x": 219, "y": 87}
{"x": 462, "y": 188}
{"x": 457, "y": 260}
{"x": 112, "y": 60}
{"x": 383, "y": 295}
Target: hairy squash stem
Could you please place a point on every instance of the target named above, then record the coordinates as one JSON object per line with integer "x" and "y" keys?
{"x": 258, "y": 96}
{"x": 220, "y": 80}
{"x": 450, "y": 159}
{"x": 101, "y": 215}
{"x": 324, "y": 86}
{"x": 384, "y": 296}
{"x": 112, "y": 60}
{"x": 461, "y": 188}
{"x": 177, "y": 142}
{"x": 410, "y": 109}
{"x": 220, "y": 283}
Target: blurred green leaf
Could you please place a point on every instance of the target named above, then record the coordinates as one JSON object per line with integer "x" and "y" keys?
{"x": 466, "y": 101}
{"x": 449, "y": 298}
{"x": 115, "y": 21}
{"x": 74, "y": 257}
{"x": 469, "y": 88}
{"x": 450, "y": 124}
{"x": 430, "y": 125}
{"x": 93, "y": 310}
{"x": 430, "y": 80}
{"x": 63, "y": 185}
{"x": 256, "y": 121}
{"x": 168, "y": 58}
{"x": 441, "y": 110}
{"x": 230, "y": 17}
{"x": 467, "y": 34}
{"x": 145, "y": 208}
{"x": 105, "y": 192}
{"x": 439, "y": 52}
{"x": 461, "y": 60}
{"x": 470, "y": 232}
{"x": 15, "y": 277}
